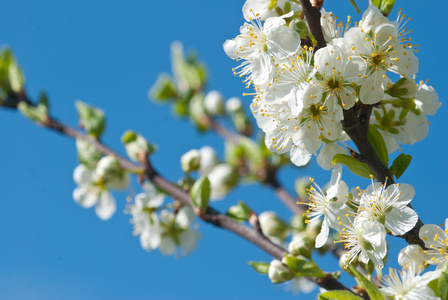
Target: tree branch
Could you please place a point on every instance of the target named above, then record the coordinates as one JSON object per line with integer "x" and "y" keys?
{"x": 312, "y": 15}
{"x": 356, "y": 125}
{"x": 211, "y": 216}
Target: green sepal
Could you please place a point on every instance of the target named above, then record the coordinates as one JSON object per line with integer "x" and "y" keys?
{"x": 272, "y": 4}
{"x": 240, "y": 212}
{"x": 287, "y": 7}
{"x": 373, "y": 292}
{"x": 200, "y": 193}
{"x": 135, "y": 143}
{"x": 338, "y": 295}
{"x": 354, "y": 165}
{"x": 11, "y": 76}
{"x": 378, "y": 144}
{"x": 91, "y": 118}
{"x": 88, "y": 155}
{"x": 38, "y": 113}
{"x": 260, "y": 267}
{"x": 400, "y": 164}
{"x": 303, "y": 266}
{"x": 163, "y": 90}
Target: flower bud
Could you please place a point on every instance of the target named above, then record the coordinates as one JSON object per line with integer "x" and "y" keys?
{"x": 272, "y": 226}
{"x": 300, "y": 245}
{"x": 278, "y": 272}
{"x": 233, "y": 105}
{"x": 222, "y": 179}
{"x": 209, "y": 159}
{"x": 214, "y": 103}
{"x": 190, "y": 161}
{"x": 112, "y": 173}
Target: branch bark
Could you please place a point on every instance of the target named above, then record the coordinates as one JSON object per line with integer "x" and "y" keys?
{"x": 211, "y": 216}
{"x": 312, "y": 15}
{"x": 356, "y": 125}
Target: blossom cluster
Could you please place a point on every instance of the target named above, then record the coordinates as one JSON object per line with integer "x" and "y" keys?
{"x": 161, "y": 227}
{"x": 301, "y": 94}
{"x": 362, "y": 217}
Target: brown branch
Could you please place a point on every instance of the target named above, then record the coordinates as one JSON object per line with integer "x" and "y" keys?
{"x": 312, "y": 15}
{"x": 356, "y": 125}
{"x": 211, "y": 216}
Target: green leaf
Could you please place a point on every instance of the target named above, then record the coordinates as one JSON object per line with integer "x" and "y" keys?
{"x": 163, "y": 90}
{"x": 338, "y": 295}
{"x": 92, "y": 118}
{"x": 11, "y": 76}
{"x": 260, "y": 267}
{"x": 303, "y": 266}
{"x": 372, "y": 290}
{"x": 239, "y": 212}
{"x": 88, "y": 155}
{"x": 200, "y": 193}
{"x": 377, "y": 141}
{"x": 38, "y": 113}
{"x": 400, "y": 164}
{"x": 134, "y": 143}
{"x": 353, "y": 165}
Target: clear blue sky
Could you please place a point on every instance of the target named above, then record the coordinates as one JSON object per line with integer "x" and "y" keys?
{"x": 109, "y": 53}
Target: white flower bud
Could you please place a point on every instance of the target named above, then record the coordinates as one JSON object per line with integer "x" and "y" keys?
{"x": 233, "y": 105}
{"x": 190, "y": 161}
{"x": 209, "y": 159}
{"x": 278, "y": 272}
{"x": 300, "y": 245}
{"x": 214, "y": 103}
{"x": 272, "y": 226}
{"x": 222, "y": 179}
{"x": 111, "y": 172}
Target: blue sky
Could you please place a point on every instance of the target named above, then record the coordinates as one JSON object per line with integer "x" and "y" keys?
{"x": 109, "y": 53}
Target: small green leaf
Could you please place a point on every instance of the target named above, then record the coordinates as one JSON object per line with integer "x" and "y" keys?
{"x": 353, "y": 165}
{"x": 377, "y": 141}
{"x": 239, "y": 212}
{"x": 163, "y": 90}
{"x": 260, "y": 267}
{"x": 91, "y": 118}
{"x": 303, "y": 266}
{"x": 11, "y": 76}
{"x": 38, "y": 113}
{"x": 372, "y": 290}
{"x": 338, "y": 295}
{"x": 400, "y": 164}
{"x": 200, "y": 193}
